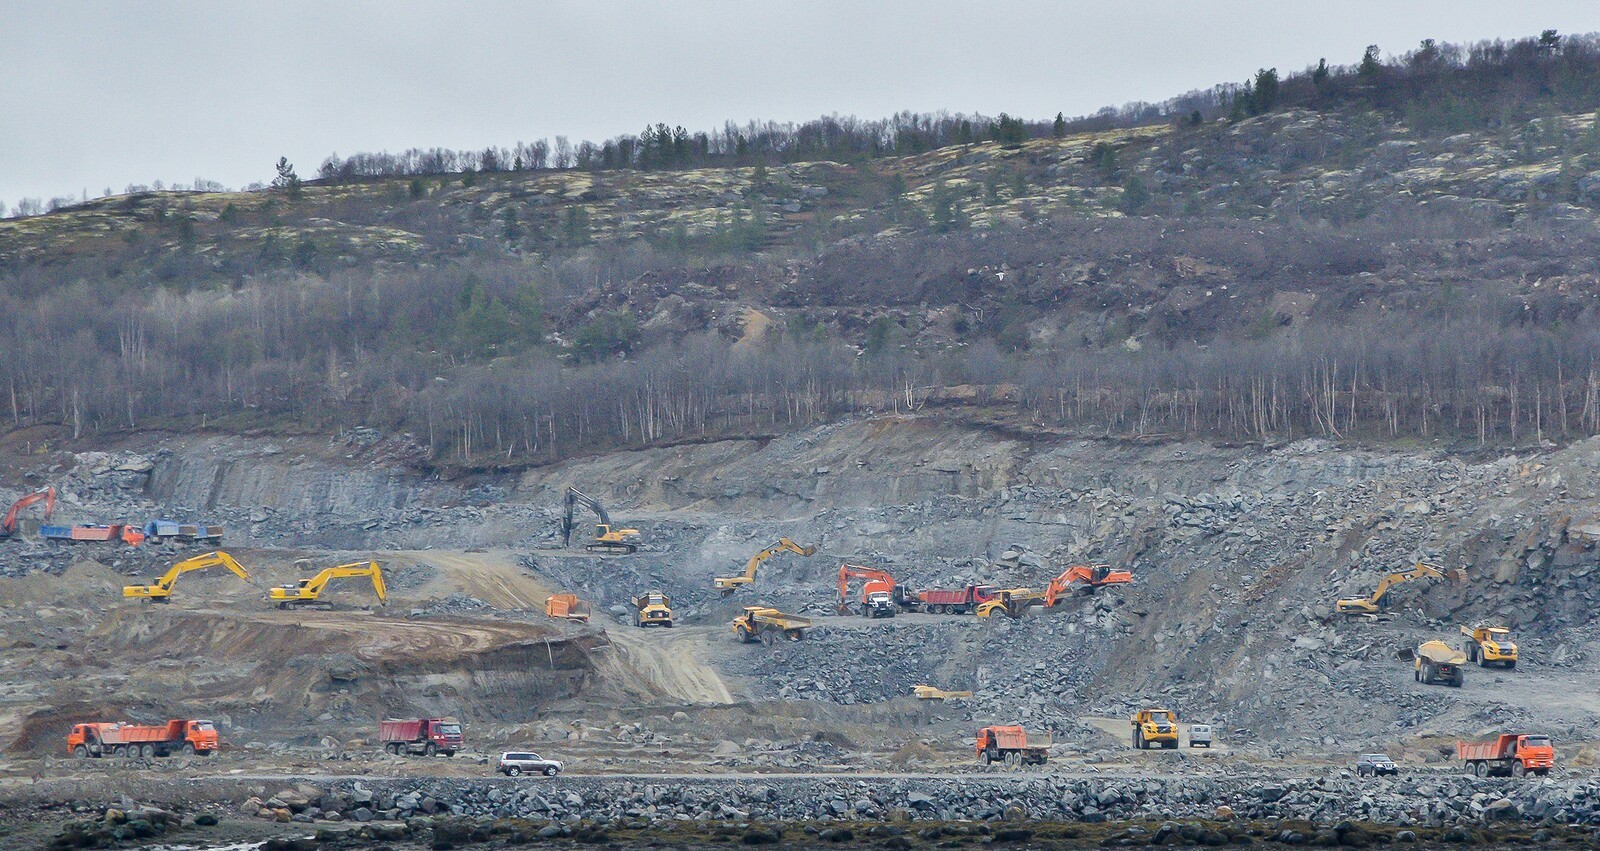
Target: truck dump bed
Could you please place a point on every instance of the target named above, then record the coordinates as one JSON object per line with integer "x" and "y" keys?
{"x": 781, "y": 620}
{"x": 1010, "y": 737}
{"x": 1479, "y": 750}
{"x": 400, "y": 731}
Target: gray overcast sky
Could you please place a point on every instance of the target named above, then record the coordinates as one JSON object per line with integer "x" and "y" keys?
{"x": 110, "y": 93}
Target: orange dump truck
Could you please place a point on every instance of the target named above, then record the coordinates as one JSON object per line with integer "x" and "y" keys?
{"x": 121, "y": 739}
{"x": 566, "y": 606}
{"x": 1511, "y": 753}
{"x": 1011, "y": 746}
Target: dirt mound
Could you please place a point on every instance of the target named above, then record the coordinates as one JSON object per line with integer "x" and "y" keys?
{"x": 913, "y": 754}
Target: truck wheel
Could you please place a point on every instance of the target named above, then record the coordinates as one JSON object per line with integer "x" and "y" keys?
{"x": 119, "y": 752}
{"x": 550, "y": 771}
{"x": 80, "y": 752}
{"x": 188, "y": 748}
{"x": 983, "y": 756}
{"x": 1172, "y": 745}
{"x": 147, "y": 751}
{"x": 1477, "y": 768}
{"x": 1511, "y": 665}
{"x": 1011, "y": 759}
{"x": 1138, "y": 740}
{"x": 766, "y": 638}
{"x": 513, "y": 771}
{"x": 1518, "y": 769}
{"x": 429, "y": 749}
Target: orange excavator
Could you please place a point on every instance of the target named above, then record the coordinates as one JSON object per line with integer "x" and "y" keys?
{"x": 877, "y": 594}
{"x": 1092, "y": 576}
{"x": 47, "y": 496}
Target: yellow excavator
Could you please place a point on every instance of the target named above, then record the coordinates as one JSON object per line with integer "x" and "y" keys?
{"x": 729, "y": 584}
{"x": 308, "y": 591}
{"x": 1372, "y": 605}
{"x": 606, "y": 538}
{"x": 160, "y": 591}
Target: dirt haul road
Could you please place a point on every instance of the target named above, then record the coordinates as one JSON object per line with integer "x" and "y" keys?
{"x": 667, "y": 659}
{"x": 670, "y": 660}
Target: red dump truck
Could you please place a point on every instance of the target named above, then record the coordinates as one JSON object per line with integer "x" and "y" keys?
{"x": 115, "y": 532}
{"x": 956, "y": 602}
{"x": 121, "y": 739}
{"x": 1511, "y": 754}
{"x": 426, "y": 736}
{"x": 1011, "y": 746}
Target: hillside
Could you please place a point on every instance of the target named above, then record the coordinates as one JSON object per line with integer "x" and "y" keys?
{"x": 1331, "y": 271}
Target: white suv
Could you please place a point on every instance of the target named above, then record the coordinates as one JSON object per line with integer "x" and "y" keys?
{"x": 513, "y": 763}
{"x": 1199, "y": 734}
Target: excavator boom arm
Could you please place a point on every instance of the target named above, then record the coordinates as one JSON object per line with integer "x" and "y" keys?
{"x": 848, "y": 572}
{"x": 728, "y": 584}
{"x": 163, "y": 586}
{"x": 1398, "y": 577}
{"x": 1092, "y": 575}
{"x": 48, "y": 496}
{"x": 577, "y": 497}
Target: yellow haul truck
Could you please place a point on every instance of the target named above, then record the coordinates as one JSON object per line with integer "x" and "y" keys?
{"x": 1490, "y": 645}
{"x": 1157, "y": 727}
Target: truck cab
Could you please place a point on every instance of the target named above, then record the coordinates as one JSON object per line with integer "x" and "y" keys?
{"x": 445, "y": 734}
{"x": 878, "y": 604}
{"x": 202, "y": 735}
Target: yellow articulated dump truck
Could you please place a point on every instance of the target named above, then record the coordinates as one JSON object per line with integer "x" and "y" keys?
{"x": 1157, "y": 727}
{"x": 759, "y": 623}
{"x": 1490, "y": 645}
{"x": 1437, "y": 663}
{"x": 652, "y": 608}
